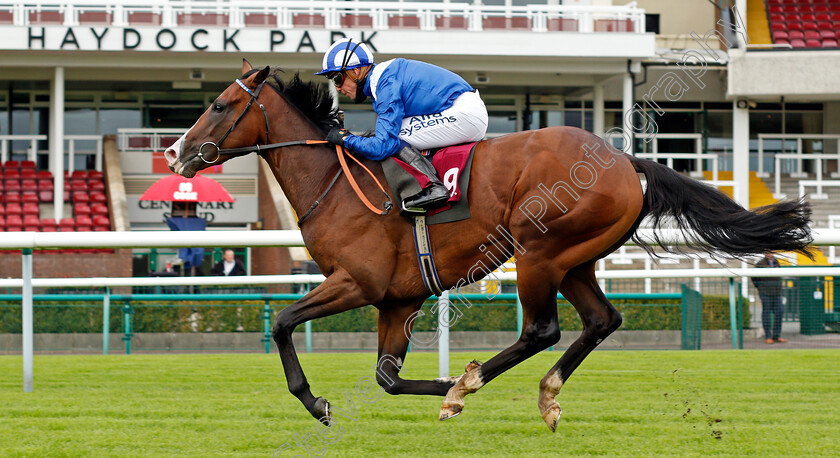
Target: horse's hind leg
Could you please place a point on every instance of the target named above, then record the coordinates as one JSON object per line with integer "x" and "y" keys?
{"x": 539, "y": 331}
{"x": 394, "y": 331}
{"x": 599, "y": 318}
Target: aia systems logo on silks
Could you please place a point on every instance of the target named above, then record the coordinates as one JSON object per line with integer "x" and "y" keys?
{"x": 414, "y": 124}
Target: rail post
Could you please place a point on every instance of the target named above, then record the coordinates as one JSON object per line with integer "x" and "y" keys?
{"x": 307, "y": 327}
{"x": 26, "y": 319}
{"x": 443, "y": 341}
{"x": 519, "y": 316}
{"x": 127, "y": 311}
{"x": 733, "y": 314}
{"x": 267, "y": 326}
{"x": 106, "y": 319}
{"x": 740, "y": 309}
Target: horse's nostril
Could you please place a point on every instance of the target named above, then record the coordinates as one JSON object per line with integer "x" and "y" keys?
{"x": 172, "y": 153}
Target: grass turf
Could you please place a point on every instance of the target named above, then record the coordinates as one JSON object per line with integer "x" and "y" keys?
{"x": 633, "y": 403}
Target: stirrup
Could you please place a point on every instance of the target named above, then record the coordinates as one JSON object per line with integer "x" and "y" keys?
{"x": 413, "y": 211}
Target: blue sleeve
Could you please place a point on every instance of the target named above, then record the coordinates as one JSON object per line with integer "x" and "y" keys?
{"x": 390, "y": 112}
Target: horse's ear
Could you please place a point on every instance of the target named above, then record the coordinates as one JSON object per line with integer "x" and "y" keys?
{"x": 246, "y": 66}
{"x": 262, "y": 75}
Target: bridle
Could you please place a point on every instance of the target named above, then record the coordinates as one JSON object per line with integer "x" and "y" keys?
{"x": 340, "y": 151}
{"x": 255, "y": 94}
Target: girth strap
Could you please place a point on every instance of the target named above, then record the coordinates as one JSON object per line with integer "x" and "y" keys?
{"x": 428, "y": 272}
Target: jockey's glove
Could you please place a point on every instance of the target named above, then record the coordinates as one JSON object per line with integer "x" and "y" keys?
{"x": 336, "y": 135}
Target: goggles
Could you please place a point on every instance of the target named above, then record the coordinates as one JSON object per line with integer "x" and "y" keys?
{"x": 337, "y": 78}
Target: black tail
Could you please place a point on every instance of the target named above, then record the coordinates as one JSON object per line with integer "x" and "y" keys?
{"x": 712, "y": 222}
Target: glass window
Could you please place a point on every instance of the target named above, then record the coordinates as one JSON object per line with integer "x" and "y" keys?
{"x": 766, "y": 122}
{"x": 676, "y": 122}
{"x": 359, "y": 121}
{"x": 21, "y": 122}
{"x": 803, "y": 123}
{"x": 547, "y": 118}
{"x": 719, "y": 134}
{"x": 501, "y": 122}
{"x": 112, "y": 119}
{"x": 79, "y": 121}
{"x": 573, "y": 118}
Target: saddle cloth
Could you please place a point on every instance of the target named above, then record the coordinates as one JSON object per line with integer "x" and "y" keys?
{"x": 453, "y": 164}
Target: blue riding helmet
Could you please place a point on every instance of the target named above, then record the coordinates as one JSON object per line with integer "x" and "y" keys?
{"x": 344, "y": 55}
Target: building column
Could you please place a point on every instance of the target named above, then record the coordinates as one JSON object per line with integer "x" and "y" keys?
{"x": 741, "y": 153}
{"x": 598, "y": 110}
{"x": 741, "y": 8}
{"x": 627, "y": 110}
{"x": 56, "y": 140}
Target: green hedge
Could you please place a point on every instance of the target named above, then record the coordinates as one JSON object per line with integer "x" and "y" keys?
{"x": 85, "y": 317}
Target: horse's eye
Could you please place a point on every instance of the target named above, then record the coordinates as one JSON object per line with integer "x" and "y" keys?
{"x": 218, "y": 107}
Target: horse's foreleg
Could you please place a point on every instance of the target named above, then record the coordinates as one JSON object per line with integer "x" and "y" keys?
{"x": 599, "y": 318}
{"x": 337, "y": 294}
{"x": 539, "y": 331}
{"x": 394, "y": 331}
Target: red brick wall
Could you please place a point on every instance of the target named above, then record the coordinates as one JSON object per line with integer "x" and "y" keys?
{"x": 47, "y": 264}
{"x": 269, "y": 260}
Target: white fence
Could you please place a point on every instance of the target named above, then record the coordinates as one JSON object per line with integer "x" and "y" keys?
{"x": 45, "y": 240}
{"x": 818, "y": 172}
{"x": 146, "y": 139}
{"x": 798, "y": 151}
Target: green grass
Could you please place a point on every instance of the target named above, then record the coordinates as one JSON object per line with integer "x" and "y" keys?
{"x": 633, "y": 403}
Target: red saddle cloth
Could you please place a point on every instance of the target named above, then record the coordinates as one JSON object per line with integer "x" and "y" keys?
{"x": 449, "y": 162}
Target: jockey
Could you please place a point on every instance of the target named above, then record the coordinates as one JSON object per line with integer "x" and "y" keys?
{"x": 418, "y": 106}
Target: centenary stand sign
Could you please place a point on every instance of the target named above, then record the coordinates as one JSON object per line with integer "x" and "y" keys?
{"x": 183, "y": 39}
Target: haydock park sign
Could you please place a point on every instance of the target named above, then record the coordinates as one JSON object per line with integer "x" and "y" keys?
{"x": 178, "y": 39}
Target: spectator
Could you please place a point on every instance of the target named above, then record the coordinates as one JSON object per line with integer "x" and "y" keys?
{"x": 229, "y": 266}
{"x": 772, "y": 309}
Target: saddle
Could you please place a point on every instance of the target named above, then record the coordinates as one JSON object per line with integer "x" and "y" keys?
{"x": 453, "y": 165}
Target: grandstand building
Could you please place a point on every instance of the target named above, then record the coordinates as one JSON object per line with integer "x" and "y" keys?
{"x": 743, "y": 94}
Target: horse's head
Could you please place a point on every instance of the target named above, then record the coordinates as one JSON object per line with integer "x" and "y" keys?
{"x": 233, "y": 120}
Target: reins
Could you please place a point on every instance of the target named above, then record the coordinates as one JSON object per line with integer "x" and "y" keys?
{"x": 340, "y": 151}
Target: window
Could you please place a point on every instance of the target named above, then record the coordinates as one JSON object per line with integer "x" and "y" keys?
{"x": 652, "y": 23}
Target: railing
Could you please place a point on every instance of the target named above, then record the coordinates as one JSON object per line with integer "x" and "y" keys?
{"x": 818, "y": 172}
{"x": 5, "y": 147}
{"x": 129, "y": 304}
{"x": 698, "y": 156}
{"x": 833, "y": 223}
{"x": 32, "y": 240}
{"x": 426, "y": 16}
{"x": 71, "y": 151}
{"x": 798, "y": 155}
{"x": 145, "y": 139}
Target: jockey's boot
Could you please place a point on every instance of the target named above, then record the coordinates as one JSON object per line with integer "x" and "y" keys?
{"x": 435, "y": 193}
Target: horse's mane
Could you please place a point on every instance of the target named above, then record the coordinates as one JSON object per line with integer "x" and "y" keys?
{"x": 313, "y": 100}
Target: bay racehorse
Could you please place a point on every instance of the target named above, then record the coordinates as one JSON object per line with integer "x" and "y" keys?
{"x": 561, "y": 198}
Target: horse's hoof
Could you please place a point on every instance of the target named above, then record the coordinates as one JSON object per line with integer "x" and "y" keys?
{"x": 552, "y": 416}
{"x": 450, "y": 410}
{"x": 321, "y": 411}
